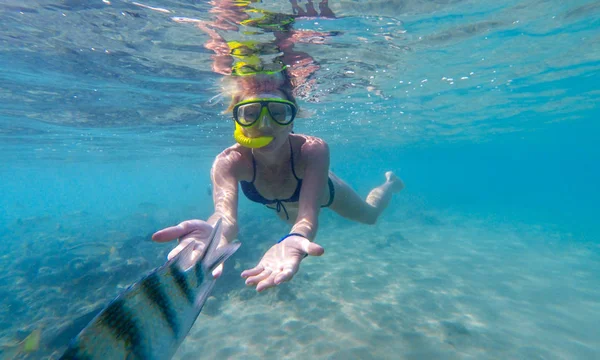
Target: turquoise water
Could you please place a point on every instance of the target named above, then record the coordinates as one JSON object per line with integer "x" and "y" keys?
{"x": 487, "y": 111}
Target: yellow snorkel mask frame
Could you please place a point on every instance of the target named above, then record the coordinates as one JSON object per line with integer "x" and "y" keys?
{"x": 261, "y": 141}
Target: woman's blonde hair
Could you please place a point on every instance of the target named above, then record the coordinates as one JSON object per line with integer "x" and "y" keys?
{"x": 240, "y": 87}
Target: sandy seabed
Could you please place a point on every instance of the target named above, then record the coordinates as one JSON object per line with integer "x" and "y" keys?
{"x": 421, "y": 284}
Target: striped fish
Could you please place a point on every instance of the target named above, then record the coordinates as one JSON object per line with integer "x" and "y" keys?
{"x": 151, "y": 318}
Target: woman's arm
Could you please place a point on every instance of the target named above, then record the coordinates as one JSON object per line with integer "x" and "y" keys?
{"x": 224, "y": 177}
{"x": 315, "y": 154}
{"x": 282, "y": 260}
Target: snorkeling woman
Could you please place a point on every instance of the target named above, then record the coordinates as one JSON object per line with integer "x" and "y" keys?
{"x": 287, "y": 172}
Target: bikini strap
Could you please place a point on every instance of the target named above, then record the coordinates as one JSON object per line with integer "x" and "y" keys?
{"x": 253, "y": 168}
{"x": 292, "y": 159}
{"x": 279, "y": 205}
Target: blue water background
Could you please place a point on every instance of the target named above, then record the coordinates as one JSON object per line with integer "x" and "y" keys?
{"x": 547, "y": 177}
{"x": 90, "y": 150}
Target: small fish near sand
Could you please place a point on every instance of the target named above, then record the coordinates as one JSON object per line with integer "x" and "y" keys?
{"x": 151, "y": 318}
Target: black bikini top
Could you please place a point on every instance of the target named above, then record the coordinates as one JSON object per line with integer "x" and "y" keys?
{"x": 252, "y": 193}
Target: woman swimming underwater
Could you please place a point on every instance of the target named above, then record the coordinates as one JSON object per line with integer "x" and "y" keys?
{"x": 287, "y": 172}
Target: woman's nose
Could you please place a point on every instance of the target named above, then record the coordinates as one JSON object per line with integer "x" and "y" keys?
{"x": 264, "y": 121}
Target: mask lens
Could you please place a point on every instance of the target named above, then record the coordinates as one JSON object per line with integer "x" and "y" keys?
{"x": 247, "y": 114}
{"x": 281, "y": 113}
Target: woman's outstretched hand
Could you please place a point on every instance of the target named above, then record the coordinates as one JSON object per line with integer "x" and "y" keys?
{"x": 186, "y": 232}
{"x": 281, "y": 262}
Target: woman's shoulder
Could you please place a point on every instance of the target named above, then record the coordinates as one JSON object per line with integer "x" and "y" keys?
{"x": 313, "y": 150}
{"x": 235, "y": 150}
{"x": 234, "y": 159}
{"x": 309, "y": 143}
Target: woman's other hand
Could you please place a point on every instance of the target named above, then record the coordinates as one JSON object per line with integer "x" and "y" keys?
{"x": 281, "y": 262}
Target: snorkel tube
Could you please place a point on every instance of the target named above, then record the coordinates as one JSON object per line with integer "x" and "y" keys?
{"x": 252, "y": 143}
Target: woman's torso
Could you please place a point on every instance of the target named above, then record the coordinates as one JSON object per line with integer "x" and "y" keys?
{"x": 276, "y": 186}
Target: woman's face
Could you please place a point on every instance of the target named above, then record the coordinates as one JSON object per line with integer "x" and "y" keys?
{"x": 266, "y": 126}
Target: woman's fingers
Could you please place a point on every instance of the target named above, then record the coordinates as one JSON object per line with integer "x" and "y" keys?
{"x": 253, "y": 280}
{"x": 266, "y": 283}
{"x": 186, "y": 227}
{"x": 168, "y": 234}
{"x": 311, "y": 248}
{"x": 315, "y": 249}
{"x": 276, "y": 277}
{"x": 217, "y": 271}
{"x": 177, "y": 249}
{"x": 252, "y": 272}
{"x": 283, "y": 276}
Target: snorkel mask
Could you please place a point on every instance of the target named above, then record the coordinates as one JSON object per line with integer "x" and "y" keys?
{"x": 248, "y": 113}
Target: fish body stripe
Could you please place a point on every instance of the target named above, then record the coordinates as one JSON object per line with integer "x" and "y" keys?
{"x": 182, "y": 284}
{"x": 123, "y": 326}
{"x": 74, "y": 353}
{"x": 199, "y": 273}
{"x": 154, "y": 292}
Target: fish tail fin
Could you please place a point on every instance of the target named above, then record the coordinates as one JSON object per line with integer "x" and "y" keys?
{"x": 203, "y": 293}
{"x": 213, "y": 256}
{"x": 32, "y": 342}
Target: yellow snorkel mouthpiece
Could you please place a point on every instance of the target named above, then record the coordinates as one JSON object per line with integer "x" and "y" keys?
{"x": 252, "y": 143}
